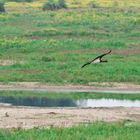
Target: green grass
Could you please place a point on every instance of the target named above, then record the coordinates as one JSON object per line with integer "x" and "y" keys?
{"x": 95, "y": 131}
{"x": 73, "y": 96}
{"x": 54, "y": 45}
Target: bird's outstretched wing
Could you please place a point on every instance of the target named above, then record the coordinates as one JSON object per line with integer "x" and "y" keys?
{"x": 85, "y": 64}
{"x": 100, "y": 56}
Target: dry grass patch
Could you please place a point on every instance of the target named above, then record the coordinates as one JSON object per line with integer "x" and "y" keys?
{"x": 8, "y": 62}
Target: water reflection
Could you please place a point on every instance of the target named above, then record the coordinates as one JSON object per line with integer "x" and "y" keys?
{"x": 38, "y": 102}
{"x": 107, "y": 103}
{"x": 45, "y": 102}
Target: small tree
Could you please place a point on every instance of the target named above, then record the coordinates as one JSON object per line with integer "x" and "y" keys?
{"x": 2, "y": 9}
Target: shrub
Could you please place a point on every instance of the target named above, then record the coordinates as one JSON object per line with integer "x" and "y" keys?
{"x": 93, "y": 4}
{"x": 21, "y": 0}
{"x": 61, "y": 4}
{"x": 2, "y": 9}
{"x": 52, "y": 5}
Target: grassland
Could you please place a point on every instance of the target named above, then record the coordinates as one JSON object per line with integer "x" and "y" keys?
{"x": 97, "y": 131}
{"x": 74, "y": 96}
{"x": 51, "y": 46}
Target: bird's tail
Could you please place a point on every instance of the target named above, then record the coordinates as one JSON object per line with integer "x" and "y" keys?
{"x": 85, "y": 65}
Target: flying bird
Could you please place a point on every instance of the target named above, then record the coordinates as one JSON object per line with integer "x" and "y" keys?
{"x": 98, "y": 59}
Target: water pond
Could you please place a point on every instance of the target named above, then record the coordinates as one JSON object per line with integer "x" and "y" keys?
{"x": 46, "y": 102}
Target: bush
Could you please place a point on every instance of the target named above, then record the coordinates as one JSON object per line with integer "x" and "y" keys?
{"x": 52, "y": 5}
{"x": 2, "y": 9}
{"x": 93, "y": 4}
{"x": 21, "y": 0}
{"x": 61, "y": 4}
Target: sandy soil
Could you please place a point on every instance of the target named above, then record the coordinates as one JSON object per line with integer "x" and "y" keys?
{"x": 92, "y": 87}
{"x": 13, "y": 117}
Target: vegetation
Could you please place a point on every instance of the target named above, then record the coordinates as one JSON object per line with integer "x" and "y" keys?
{"x": 2, "y": 9}
{"x": 97, "y": 131}
{"x": 21, "y": 0}
{"x": 62, "y": 4}
{"x": 92, "y": 4}
{"x": 53, "y": 5}
{"x": 73, "y": 96}
{"x": 51, "y": 46}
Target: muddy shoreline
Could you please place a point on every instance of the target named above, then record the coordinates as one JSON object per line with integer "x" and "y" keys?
{"x": 122, "y": 88}
{"x": 30, "y": 117}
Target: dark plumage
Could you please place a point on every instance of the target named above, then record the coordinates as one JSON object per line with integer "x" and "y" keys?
{"x": 98, "y": 59}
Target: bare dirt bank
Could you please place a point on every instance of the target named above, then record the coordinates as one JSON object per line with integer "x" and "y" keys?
{"x": 92, "y": 87}
{"x": 13, "y": 117}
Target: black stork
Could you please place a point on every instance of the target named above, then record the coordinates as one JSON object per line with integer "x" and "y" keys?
{"x": 98, "y": 59}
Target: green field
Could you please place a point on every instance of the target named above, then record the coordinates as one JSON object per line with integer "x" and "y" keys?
{"x": 51, "y": 46}
{"x": 74, "y": 96}
{"x": 97, "y": 131}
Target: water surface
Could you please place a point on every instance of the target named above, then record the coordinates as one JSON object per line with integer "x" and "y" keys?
{"x": 46, "y": 102}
